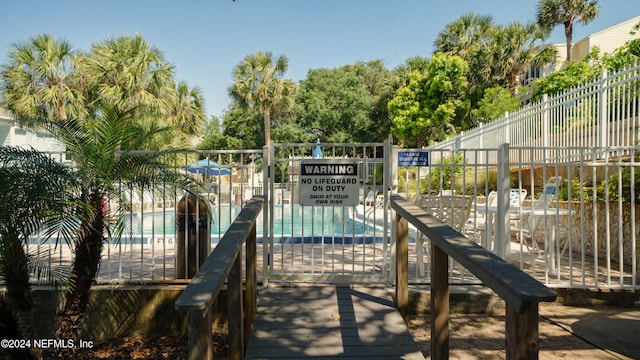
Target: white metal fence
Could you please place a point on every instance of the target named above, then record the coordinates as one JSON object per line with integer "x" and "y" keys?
{"x": 601, "y": 115}
{"x": 587, "y": 237}
{"x": 587, "y": 136}
{"x": 153, "y": 233}
{"x": 584, "y": 233}
{"x": 329, "y": 243}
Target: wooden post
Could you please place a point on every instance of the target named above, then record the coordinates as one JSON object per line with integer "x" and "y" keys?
{"x": 251, "y": 287}
{"x": 402, "y": 264}
{"x": 234, "y": 305}
{"x": 439, "y": 303}
{"x": 522, "y": 333}
{"x": 200, "y": 336}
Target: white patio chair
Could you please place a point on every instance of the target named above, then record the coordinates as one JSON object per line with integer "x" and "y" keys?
{"x": 546, "y": 198}
{"x": 476, "y": 224}
{"x": 371, "y": 197}
{"x": 451, "y": 209}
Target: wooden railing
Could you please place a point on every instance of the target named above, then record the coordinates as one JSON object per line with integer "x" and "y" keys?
{"x": 224, "y": 264}
{"x": 521, "y": 292}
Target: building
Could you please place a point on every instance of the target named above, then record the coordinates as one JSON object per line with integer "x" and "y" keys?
{"x": 607, "y": 40}
{"x": 12, "y": 134}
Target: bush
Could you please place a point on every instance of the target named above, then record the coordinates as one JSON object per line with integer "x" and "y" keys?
{"x": 609, "y": 186}
{"x": 444, "y": 173}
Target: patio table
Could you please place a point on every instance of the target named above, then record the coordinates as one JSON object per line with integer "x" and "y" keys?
{"x": 533, "y": 217}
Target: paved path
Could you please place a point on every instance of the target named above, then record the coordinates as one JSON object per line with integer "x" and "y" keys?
{"x": 329, "y": 322}
{"x": 566, "y": 332}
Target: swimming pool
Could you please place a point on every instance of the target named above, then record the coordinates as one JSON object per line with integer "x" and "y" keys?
{"x": 291, "y": 223}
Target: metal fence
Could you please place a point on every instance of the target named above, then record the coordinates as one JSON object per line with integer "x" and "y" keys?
{"x": 587, "y": 237}
{"x": 584, "y": 233}
{"x": 329, "y": 243}
{"x": 587, "y": 136}
{"x": 153, "y": 239}
{"x": 600, "y": 115}
{"x": 297, "y": 241}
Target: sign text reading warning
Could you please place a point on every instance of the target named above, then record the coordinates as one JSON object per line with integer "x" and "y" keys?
{"x": 329, "y": 183}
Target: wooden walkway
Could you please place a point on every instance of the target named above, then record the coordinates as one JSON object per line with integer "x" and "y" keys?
{"x": 329, "y": 322}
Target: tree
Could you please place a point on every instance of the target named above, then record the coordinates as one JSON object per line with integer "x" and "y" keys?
{"x": 346, "y": 104}
{"x": 494, "y": 104}
{"x": 38, "y": 82}
{"x": 34, "y": 196}
{"x": 187, "y": 115}
{"x": 426, "y": 109}
{"x": 467, "y": 37}
{"x": 514, "y": 49}
{"x": 121, "y": 84}
{"x": 128, "y": 73}
{"x": 573, "y": 74}
{"x": 259, "y": 83}
{"x": 101, "y": 162}
{"x": 565, "y": 12}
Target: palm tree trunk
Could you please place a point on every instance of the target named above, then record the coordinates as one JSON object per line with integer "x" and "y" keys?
{"x": 19, "y": 297}
{"x": 88, "y": 250}
{"x": 267, "y": 125}
{"x": 568, "y": 33}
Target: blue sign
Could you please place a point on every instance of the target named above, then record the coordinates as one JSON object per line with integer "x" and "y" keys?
{"x": 413, "y": 158}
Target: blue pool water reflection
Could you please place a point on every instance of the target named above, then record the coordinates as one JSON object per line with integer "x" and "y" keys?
{"x": 290, "y": 221}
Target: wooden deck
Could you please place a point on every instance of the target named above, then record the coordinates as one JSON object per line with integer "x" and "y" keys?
{"x": 329, "y": 322}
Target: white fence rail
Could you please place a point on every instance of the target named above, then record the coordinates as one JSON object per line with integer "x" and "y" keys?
{"x": 588, "y": 136}
{"x": 601, "y": 115}
{"x": 585, "y": 234}
{"x": 588, "y": 235}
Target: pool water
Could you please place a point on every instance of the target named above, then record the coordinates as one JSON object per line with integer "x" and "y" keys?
{"x": 289, "y": 220}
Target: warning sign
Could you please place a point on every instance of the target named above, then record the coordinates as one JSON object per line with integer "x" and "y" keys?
{"x": 329, "y": 182}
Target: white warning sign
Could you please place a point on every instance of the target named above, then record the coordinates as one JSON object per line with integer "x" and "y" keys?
{"x": 329, "y": 182}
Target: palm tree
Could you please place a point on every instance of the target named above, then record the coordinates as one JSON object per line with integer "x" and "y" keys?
{"x": 515, "y": 48}
{"x": 127, "y": 72}
{"x": 258, "y": 83}
{"x": 101, "y": 162}
{"x": 33, "y": 195}
{"x": 565, "y": 13}
{"x": 187, "y": 114}
{"x": 468, "y": 37}
{"x": 120, "y": 84}
{"x": 463, "y": 36}
{"x": 37, "y": 80}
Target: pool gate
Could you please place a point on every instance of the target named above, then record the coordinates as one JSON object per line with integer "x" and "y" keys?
{"x": 327, "y": 213}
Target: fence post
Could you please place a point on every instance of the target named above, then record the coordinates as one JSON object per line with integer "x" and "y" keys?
{"x": 390, "y": 183}
{"x": 502, "y": 235}
{"x": 603, "y": 113}
{"x": 546, "y": 123}
{"x": 200, "y": 335}
{"x": 439, "y": 303}
{"x": 251, "y": 287}
{"x": 234, "y": 307}
{"x": 266, "y": 234}
{"x": 402, "y": 264}
{"x": 522, "y": 333}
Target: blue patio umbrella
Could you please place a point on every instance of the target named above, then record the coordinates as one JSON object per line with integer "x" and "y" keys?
{"x": 317, "y": 151}
{"x": 207, "y": 167}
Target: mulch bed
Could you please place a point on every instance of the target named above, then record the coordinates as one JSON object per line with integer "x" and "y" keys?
{"x": 148, "y": 348}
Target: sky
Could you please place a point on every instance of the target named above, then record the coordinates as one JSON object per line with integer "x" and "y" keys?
{"x": 206, "y": 39}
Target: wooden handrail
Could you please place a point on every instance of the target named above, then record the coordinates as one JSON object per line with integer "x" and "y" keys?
{"x": 521, "y": 292}
{"x": 224, "y": 264}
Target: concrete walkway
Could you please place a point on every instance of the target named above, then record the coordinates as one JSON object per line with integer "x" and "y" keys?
{"x": 566, "y": 332}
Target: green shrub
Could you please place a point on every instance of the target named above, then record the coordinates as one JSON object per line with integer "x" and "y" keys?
{"x": 444, "y": 173}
